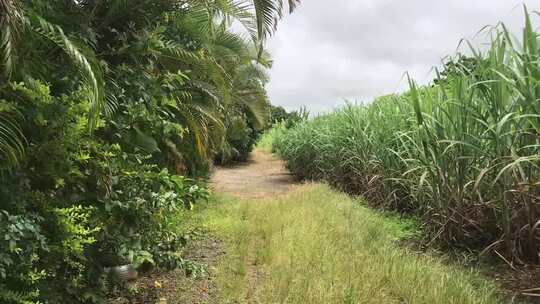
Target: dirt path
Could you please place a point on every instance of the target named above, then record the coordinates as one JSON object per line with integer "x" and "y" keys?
{"x": 262, "y": 176}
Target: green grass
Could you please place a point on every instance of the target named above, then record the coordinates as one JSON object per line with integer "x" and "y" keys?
{"x": 319, "y": 246}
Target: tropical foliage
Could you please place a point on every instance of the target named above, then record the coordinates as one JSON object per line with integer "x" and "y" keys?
{"x": 463, "y": 153}
{"x": 279, "y": 115}
{"x": 110, "y": 113}
{"x": 281, "y": 121}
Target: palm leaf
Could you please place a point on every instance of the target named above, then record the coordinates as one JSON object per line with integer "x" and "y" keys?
{"x": 258, "y": 17}
{"x": 12, "y": 141}
{"x": 268, "y": 13}
{"x": 10, "y": 19}
{"x": 83, "y": 58}
{"x": 257, "y": 105}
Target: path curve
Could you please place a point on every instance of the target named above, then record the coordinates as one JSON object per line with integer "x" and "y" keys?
{"x": 263, "y": 175}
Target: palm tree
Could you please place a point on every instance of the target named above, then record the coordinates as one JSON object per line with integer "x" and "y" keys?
{"x": 23, "y": 31}
{"x": 18, "y": 24}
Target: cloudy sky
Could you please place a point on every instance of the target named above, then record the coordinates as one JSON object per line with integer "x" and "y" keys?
{"x": 331, "y": 50}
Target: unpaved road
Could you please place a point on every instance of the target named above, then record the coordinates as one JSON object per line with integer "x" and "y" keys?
{"x": 264, "y": 175}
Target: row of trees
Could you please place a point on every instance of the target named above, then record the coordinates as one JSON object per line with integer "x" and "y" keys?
{"x": 110, "y": 112}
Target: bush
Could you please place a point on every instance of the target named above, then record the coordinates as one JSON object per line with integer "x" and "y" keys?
{"x": 78, "y": 204}
{"x": 104, "y": 111}
{"x": 239, "y": 141}
{"x": 271, "y": 136}
{"x": 289, "y": 119}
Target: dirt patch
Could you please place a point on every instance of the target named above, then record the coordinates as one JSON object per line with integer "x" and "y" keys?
{"x": 264, "y": 175}
{"x": 176, "y": 287}
{"x": 521, "y": 284}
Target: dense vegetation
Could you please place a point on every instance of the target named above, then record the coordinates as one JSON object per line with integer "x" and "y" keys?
{"x": 279, "y": 115}
{"x": 281, "y": 121}
{"x": 110, "y": 113}
{"x": 339, "y": 252}
{"x": 463, "y": 153}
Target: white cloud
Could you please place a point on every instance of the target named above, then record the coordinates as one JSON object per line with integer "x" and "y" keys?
{"x": 360, "y": 49}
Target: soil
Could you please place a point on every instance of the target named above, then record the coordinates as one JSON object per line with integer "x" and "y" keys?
{"x": 176, "y": 287}
{"x": 263, "y": 175}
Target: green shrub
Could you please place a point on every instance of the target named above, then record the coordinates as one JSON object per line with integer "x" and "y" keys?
{"x": 78, "y": 204}
{"x": 238, "y": 142}
{"x": 279, "y": 115}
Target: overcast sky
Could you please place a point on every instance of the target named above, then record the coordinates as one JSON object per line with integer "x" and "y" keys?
{"x": 328, "y": 50}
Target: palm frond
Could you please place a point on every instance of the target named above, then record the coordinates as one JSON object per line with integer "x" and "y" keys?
{"x": 6, "y": 50}
{"x": 12, "y": 140}
{"x": 268, "y": 13}
{"x": 199, "y": 118}
{"x": 10, "y": 20}
{"x": 256, "y": 103}
{"x": 258, "y": 17}
{"x": 227, "y": 44}
{"x": 174, "y": 57}
{"x": 83, "y": 58}
{"x": 242, "y": 11}
{"x": 265, "y": 16}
